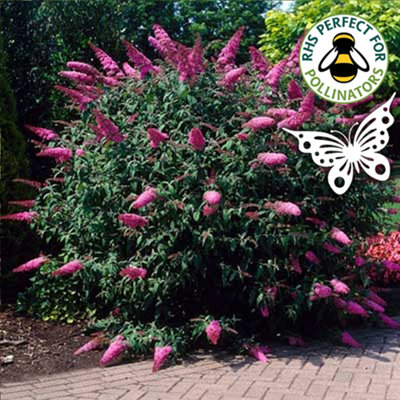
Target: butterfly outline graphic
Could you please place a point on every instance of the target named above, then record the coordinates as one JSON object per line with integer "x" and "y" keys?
{"x": 345, "y": 155}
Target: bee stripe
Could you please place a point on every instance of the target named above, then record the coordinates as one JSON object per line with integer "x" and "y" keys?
{"x": 344, "y": 59}
{"x": 344, "y": 36}
{"x": 344, "y": 78}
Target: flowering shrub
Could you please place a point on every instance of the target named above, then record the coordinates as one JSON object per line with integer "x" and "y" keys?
{"x": 188, "y": 218}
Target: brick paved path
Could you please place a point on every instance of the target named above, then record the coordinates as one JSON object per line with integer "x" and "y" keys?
{"x": 319, "y": 372}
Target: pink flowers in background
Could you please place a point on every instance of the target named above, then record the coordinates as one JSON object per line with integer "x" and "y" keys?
{"x": 280, "y": 113}
{"x": 196, "y": 139}
{"x": 69, "y": 269}
{"x": 60, "y": 154}
{"x": 35, "y": 184}
{"x": 272, "y": 159}
{"x": 373, "y": 306}
{"x": 346, "y": 338}
{"x": 259, "y": 353}
{"x": 145, "y": 198}
{"x": 258, "y": 123}
{"x": 22, "y": 203}
{"x": 226, "y": 58}
{"x": 339, "y": 287}
{"x": 377, "y": 299}
{"x": 359, "y": 261}
{"x": 355, "y": 309}
{"x": 89, "y": 346}
{"x": 264, "y": 311}
{"x": 156, "y": 137}
{"x": 259, "y": 62}
{"x": 46, "y": 134}
{"x": 340, "y": 236}
{"x": 106, "y": 128}
{"x": 391, "y": 323}
{"x": 213, "y": 331}
{"x": 310, "y": 255}
{"x": 339, "y": 303}
{"x": 295, "y": 264}
{"x": 80, "y": 152}
{"x": 286, "y": 208}
{"x": 294, "y": 90}
{"x": 114, "y": 350}
{"x": 391, "y": 266}
{"x": 316, "y": 221}
{"x": 133, "y": 273}
{"x": 212, "y": 197}
{"x": 25, "y": 216}
{"x": 232, "y": 77}
{"x": 160, "y": 355}
{"x": 109, "y": 65}
{"x": 209, "y": 210}
{"x": 242, "y": 136}
{"x": 331, "y": 248}
{"x": 321, "y": 292}
{"x": 133, "y": 220}
{"x": 31, "y": 264}
{"x": 297, "y": 341}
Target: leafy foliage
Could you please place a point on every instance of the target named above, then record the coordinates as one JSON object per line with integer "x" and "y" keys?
{"x": 238, "y": 265}
{"x": 282, "y": 28}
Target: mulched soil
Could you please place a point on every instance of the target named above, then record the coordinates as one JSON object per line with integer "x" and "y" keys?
{"x": 40, "y": 348}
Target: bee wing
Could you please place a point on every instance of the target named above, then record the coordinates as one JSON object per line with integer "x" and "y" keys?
{"x": 325, "y": 148}
{"x": 359, "y": 59}
{"x": 329, "y": 58}
{"x": 372, "y": 135}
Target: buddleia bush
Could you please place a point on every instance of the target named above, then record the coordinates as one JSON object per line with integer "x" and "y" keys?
{"x": 185, "y": 214}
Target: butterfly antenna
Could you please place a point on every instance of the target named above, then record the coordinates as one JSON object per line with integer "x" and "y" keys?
{"x": 341, "y": 133}
{"x": 351, "y": 130}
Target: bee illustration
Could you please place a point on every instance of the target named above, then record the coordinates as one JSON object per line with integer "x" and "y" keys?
{"x": 343, "y": 60}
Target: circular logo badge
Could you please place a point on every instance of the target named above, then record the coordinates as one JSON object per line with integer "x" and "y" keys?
{"x": 343, "y": 59}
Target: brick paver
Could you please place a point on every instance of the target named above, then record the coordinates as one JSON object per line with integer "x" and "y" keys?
{"x": 317, "y": 372}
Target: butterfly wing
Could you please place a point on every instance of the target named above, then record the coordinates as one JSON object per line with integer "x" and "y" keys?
{"x": 324, "y": 148}
{"x": 343, "y": 169}
{"x": 371, "y": 137}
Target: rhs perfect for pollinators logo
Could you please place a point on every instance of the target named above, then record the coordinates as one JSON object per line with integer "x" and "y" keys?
{"x": 343, "y": 58}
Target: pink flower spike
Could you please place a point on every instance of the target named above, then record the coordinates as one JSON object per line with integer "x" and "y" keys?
{"x": 114, "y": 350}
{"x": 133, "y": 220}
{"x": 68, "y": 269}
{"x": 213, "y": 331}
{"x": 373, "y": 306}
{"x": 232, "y": 77}
{"x": 391, "y": 323}
{"x": 130, "y": 71}
{"x": 359, "y": 261}
{"x": 156, "y": 137}
{"x": 226, "y": 58}
{"x": 160, "y": 355}
{"x": 133, "y": 273}
{"x": 80, "y": 152}
{"x": 294, "y": 90}
{"x": 286, "y": 208}
{"x": 275, "y": 74}
{"x": 346, "y": 338}
{"x": 209, "y": 210}
{"x": 339, "y": 236}
{"x": 310, "y": 255}
{"x": 339, "y": 303}
{"x": 307, "y": 105}
{"x": 355, "y": 309}
{"x": 109, "y": 65}
{"x": 297, "y": 341}
{"x": 377, "y": 299}
{"x": 145, "y": 198}
{"x": 331, "y": 248}
{"x": 296, "y": 264}
{"x": 212, "y": 197}
{"x": 272, "y": 159}
{"x": 242, "y": 136}
{"x": 258, "y": 123}
{"x": 196, "y": 139}
{"x": 31, "y": 264}
{"x": 89, "y": 346}
{"x": 259, "y": 62}
{"x": 83, "y": 67}
{"x": 264, "y": 311}
{"x": 60, "y": 154}
{"x": 321, "y": 291}
{"x": 26, "y": 216}
{"x": 28, "y": 182}
{"x": 22, "y": 203}
{"x": 43, "y": 133}
{"x": 396, "y": 199}
{"x": 258, "y": 352}
{"x": 391, "y": 266}
{"x": 339, "y": 287}
{"x": 78, "y": 77}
